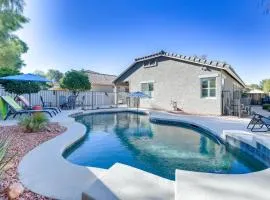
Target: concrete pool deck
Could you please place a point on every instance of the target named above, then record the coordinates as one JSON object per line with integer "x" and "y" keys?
{"x": 220, "y": 126}
{"x": 43, "y": 170}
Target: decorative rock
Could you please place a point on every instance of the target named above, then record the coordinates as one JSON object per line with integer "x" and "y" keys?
{"x": 9, "y": 166}
{"x": 15, "y": 190}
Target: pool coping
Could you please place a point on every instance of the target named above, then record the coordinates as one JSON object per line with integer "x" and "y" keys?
{"x": 48, "y": 176}
{"x": 36, "y": 175}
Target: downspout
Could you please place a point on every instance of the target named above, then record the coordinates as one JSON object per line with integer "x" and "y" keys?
{"x": 221, "y": 93}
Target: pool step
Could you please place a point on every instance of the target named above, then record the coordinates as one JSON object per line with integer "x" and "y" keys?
{"x": 99, "y": 172}
{"x": 125, "y": 182}
{"x": 207, "y": 186}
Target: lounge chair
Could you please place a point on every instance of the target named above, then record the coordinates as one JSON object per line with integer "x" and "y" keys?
{"x": 45, "y": 106}
{"x": 15, "y": 109}
{"x": 259, "y": 123}
{"x": 27, "y": 106}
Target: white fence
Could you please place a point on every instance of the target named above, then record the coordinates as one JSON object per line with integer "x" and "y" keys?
{"x": 90, "y": 99}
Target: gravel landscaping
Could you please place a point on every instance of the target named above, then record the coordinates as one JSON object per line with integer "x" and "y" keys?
{"x": 21, "y": 144}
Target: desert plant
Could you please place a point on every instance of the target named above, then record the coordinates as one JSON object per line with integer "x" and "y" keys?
{"x": 34, "y": 123}
{"x": 4, "y": 144}
{"x": 266, "y": 106}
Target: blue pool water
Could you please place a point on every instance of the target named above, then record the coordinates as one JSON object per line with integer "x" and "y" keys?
{"x": 131, "y": 139}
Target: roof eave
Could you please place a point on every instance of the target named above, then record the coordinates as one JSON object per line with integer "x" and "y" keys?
{"x": 227, "y": 69}
{"x": 115, "y": 80}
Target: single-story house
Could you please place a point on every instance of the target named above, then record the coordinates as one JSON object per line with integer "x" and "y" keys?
{"x": 177, "y": 82}
{"x": 101, "y": 82}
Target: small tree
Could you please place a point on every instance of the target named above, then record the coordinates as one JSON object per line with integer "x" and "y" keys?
{"x": 40, "y": 73}
{"x": 76, "y": 81}
{"x": 54, "y": 75}
{"x": 265, "y": 84}
{"x": 254, "y": 86}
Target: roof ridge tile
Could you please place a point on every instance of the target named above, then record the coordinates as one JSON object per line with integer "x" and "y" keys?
{"x": 196, "y": 59}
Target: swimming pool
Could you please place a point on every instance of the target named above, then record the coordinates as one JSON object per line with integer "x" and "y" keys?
{"x": 132, "y": 139}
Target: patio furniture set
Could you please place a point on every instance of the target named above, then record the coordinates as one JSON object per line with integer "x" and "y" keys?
{"x": 9, "y": 107}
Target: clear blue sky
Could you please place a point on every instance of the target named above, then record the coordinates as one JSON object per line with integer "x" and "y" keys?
{"x": 106, "y": 35}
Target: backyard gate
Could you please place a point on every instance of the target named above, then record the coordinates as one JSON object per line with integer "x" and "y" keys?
{"x": 231, "y": 103}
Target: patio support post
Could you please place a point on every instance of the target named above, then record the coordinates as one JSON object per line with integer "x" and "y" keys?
{"x": 115, "y": 95}
{"x": 239, "y": 108}
{"x": 92, "y": 100}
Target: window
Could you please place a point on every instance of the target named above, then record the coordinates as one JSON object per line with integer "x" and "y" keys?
{"x": 148, "y": 88}
{"x": 208, "y": 87}
{"x": 150, "y": 63}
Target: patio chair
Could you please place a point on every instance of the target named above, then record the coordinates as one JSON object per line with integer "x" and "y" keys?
{"x": 15, "y": 109}
{"x": 70, "y": 104}
{"x": 62, "y": 101}
{"x": 259, "y": 123}
{"x": 45, "y": 103}
{"x": 45, "y": 106}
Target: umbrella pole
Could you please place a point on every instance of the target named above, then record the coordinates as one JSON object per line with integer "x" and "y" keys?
{"x": 29, "y": 94}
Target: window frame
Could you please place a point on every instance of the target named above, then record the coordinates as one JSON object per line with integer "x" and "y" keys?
{"x": 208, "y": 88}
{"x": 148, "y": 91}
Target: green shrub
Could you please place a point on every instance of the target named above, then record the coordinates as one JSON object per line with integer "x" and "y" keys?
{"x": 266, "y": 106}
{"x": 34, "y": 123}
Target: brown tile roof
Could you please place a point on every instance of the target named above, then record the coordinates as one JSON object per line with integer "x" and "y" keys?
{"x": 97, "y": 78}
{"x": 190, "y": 59}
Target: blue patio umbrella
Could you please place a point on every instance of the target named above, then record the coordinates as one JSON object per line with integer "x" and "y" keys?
{"x": 26, "y": 78}
{"x": 138, "y": 95}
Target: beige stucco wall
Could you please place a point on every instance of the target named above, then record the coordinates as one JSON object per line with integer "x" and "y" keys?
{"x": 229, "y": 85}
{"x": 107, "y": 88}
{"x": 102, "y": 88}
{"x": 176, "y": 81}
{"x": 229, "y": 82}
